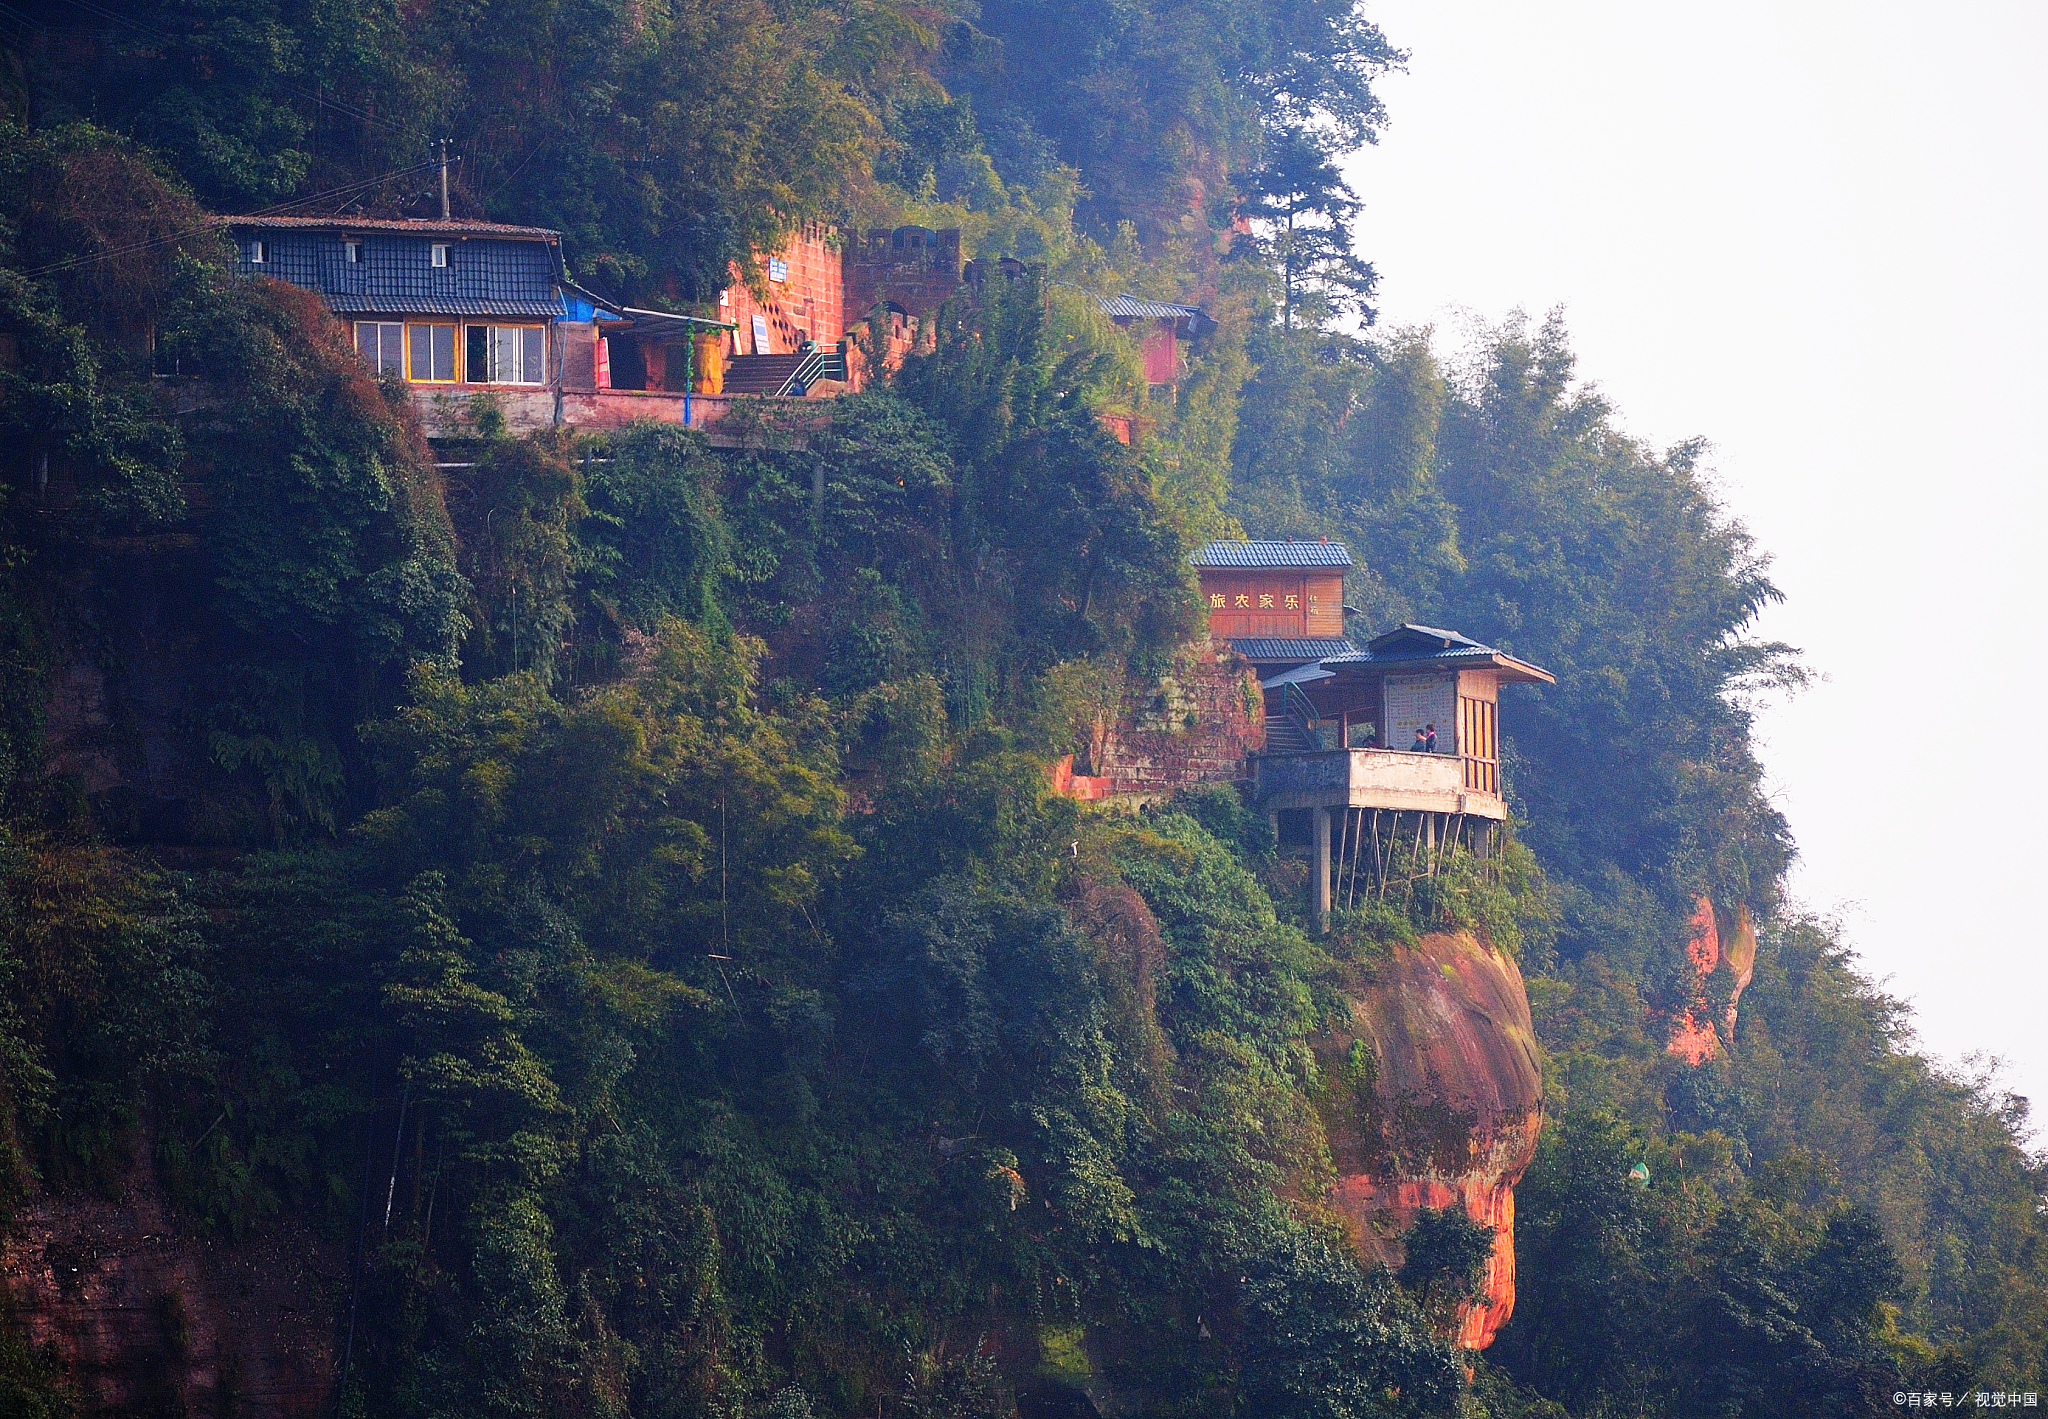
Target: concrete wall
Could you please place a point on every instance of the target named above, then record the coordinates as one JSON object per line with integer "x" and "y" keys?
{"x": 1371, "y": 778}
{"x": 445, "y": 415}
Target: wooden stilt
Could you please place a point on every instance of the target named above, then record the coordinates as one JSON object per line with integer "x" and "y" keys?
{"x": 1357, "y": 844}
{"x": 1379, "y": 866}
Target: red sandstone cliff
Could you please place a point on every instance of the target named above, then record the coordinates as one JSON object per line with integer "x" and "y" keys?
{"x": 1694, "y": 1035}
{"x": 1435, "y": 1097}
{"x": 143, "y": 1318}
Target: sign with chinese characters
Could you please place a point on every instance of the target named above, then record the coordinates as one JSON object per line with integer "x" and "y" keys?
{"x": 1277, "y": 602}
{"x": 1255, "y": 601}
{"x": 1416, "y": 703}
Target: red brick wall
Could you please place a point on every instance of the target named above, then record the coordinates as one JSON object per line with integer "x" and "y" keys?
{"x": 913, "y": 267}
{"x": 809, "y": 304}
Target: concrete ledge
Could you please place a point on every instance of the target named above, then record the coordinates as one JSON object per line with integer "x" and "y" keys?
{"x": 444, "y": 411}
{"x": 1371, "y": 778}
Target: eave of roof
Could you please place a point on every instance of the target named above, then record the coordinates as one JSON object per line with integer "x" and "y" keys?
{"x": 1259, "y": 556}
{"x": 439, "y": 305}
{"x": 1467, "y": 657}
{"x": 656, "y": 319}
{"x": 1293, "y": 648}
{"x": 416, "y": 226}
{"x": 1138, "y": 308}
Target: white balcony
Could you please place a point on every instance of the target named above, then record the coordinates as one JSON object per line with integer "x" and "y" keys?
{"x": 1377, "y": 778}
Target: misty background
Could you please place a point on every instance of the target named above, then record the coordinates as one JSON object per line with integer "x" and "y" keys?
{"x": 1813, "y": 235}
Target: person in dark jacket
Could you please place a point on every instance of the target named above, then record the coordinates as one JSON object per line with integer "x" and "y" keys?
{"x": 1421, "y": 744}
{"x": 1429, "y": 740}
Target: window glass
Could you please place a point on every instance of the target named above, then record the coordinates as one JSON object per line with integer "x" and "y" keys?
{"x": 505, "y": 345}
{"x": 256, "y": 253}
{"x": 532, "y": 367}
{"x": 440, "y": 254}
{"x": 479, "y": 341}
{"x": 430, "y": 353}
{"x": 382, "y": 344}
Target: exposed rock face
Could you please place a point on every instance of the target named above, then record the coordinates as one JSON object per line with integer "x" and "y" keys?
{"x": 1194, "y": 726}
{"x": 146, "y": 1320}
{"x": 1435, "y": 1098}
{"x": 1693, "y": 1035}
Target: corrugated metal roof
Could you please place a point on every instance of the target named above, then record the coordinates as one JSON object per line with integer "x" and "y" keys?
{"x": 1289, "y": 648}
{"x": 401, "y": 305}
{"x": 1136, "y": 308}
{"x": 1442, "y": 656}
{"x": 1273, "y": 554}
{"x": 1427, "y": 645}
{"x": 394, "y": 273}
{"x": 418, "y": 226}
{"x": 1421, "y": 638}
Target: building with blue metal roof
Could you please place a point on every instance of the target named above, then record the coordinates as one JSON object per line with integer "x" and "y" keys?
{"x": 1264, "y": 555}
{"x": 1396, "y": 744}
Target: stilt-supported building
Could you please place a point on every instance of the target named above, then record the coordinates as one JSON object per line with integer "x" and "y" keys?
{"x": 1385, "y": 752}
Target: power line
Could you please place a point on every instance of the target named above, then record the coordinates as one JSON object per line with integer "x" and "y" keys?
{"x": 275, "y": 210}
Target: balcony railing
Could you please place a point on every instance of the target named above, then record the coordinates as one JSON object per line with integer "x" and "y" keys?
{"x": 1378, "y": 778}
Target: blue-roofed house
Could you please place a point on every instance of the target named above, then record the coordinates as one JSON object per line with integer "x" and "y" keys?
{"x": 459, "y": 308}
{"x": 446, "y": 306}
{"x": 1395, "y": 742}
{"x": 1278, "y": 604}
{"x": 1400, "y": 736}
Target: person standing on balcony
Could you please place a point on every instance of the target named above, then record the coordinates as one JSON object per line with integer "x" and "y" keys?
{"x": 1429, "y": 739}
{"x": 1422, "y": 744}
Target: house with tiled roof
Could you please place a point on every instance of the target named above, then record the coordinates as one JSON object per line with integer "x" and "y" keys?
{"x": 456, "y": 309}
{"x": 1394, "y": 740}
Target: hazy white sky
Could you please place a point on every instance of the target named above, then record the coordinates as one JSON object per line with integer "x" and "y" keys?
{"x": 1813, "y": 233}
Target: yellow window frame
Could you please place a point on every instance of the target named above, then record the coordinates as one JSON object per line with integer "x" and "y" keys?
{"x": 454, "y": 375}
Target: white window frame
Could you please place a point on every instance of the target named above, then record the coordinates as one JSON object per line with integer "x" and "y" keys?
{"x": 378, "y": 329}
{"x": 353, "y": 250}
{"x": 532, "y": 362}
{"x": 437, "y": 256}
{"x": 259, "y": 255}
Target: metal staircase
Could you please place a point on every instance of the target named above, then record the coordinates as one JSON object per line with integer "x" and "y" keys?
{"x": 1285, "y": 734}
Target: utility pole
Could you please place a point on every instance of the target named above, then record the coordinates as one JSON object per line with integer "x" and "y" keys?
{"x": 444, "y": 179}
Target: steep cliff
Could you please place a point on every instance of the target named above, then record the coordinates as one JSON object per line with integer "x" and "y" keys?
{"x": 1435, "y": 1099}
{"x": 1720, "y": 969}
{"x": 142, "y": 1315}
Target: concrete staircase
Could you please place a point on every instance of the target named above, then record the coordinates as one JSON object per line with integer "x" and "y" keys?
{"x": 759, "y": 374}
{"x": 1285, "y": 735}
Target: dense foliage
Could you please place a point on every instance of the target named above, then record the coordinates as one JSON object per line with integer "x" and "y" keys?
{"x": 1811, "y": 1161}
{"x": 601, "y": 901}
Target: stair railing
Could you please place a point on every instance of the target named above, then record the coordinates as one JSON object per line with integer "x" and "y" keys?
{"x": 806, "y": 373}
{"x": 1296, "y": 707}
